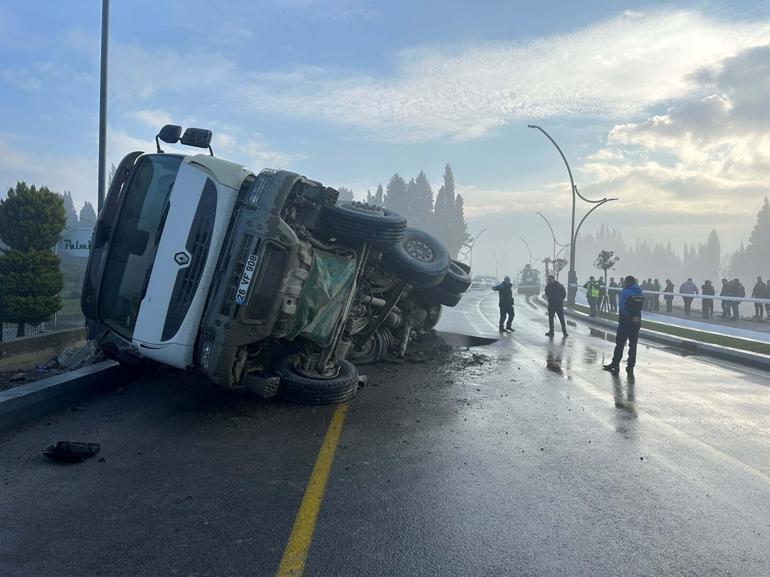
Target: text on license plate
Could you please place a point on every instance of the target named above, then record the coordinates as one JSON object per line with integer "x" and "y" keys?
{"x": 248, "y": 273}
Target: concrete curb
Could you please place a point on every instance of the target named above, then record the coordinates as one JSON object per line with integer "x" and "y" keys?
{"x": 755, "y": 360}
{"x": 37, "y": 399}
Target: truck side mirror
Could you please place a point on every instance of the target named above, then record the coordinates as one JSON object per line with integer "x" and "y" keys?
{"x": 169, "y": 134}
{"x": 197, "y": 137}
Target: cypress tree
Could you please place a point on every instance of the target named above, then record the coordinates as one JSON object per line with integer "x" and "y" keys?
{"x": 31, "y": 222}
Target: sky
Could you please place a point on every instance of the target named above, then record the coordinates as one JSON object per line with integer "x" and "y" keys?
{"x": 662, "y": 105}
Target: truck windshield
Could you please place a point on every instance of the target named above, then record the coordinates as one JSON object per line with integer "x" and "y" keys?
{"x": 134, "y": 242}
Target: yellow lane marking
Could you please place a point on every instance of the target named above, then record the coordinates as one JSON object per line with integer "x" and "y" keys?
{"x": 295, "y": 554}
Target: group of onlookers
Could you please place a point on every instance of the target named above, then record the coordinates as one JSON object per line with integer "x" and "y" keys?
{"x": 605, "y": 298}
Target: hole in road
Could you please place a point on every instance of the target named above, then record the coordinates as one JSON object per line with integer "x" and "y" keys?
{"x": 460, "y": 340}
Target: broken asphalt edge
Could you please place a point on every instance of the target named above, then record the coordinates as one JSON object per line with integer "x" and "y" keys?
{"x": 34, "y": 400}
{"x": 693, "y": 347}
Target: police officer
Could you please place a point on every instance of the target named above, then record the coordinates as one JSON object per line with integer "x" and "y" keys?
{"x": 631, "y": 303}
{"x": 505, "y": 295}
{"x": 555, "y": 293}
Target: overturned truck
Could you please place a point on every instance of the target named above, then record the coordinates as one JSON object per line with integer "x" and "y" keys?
{"x": 259, "y": 280}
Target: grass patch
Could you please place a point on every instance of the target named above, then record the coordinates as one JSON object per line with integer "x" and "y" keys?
{"x": 692, "y": 334}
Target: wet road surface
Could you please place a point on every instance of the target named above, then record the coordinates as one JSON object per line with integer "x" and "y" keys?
{"x": 519, "y": 458}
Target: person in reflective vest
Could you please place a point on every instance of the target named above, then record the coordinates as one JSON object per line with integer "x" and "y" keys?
{"x": 592, "y": 293}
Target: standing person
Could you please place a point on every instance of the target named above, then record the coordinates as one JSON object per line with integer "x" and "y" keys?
{"x": 767, "y": 296}
{"x": 631, "y": 303}
{"x": 688, "y": 287}
{"x": 725, "y": 292}
{"x": 669, "y": 298}
{"x": 758, "y": 292}
{"x": 555, "y": 293}
{"x": 602, "y": 295}
{"x": 708, "y": 304}
{"x": 592, "y": 294}
{"x": 612, "y": 292}
{"x": 656, "y": 296}
{"x": 738, "y": 291}
{"x": 505, "y": 296}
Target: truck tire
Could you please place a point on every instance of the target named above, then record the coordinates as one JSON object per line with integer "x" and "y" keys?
{"x": 457, "y": 279}
{"x": 372, "y": 352}
{"x": 464, "y": 266}
{"x": 298, "y": 388}
{"x": 439, "y": 296}
{"x": 434, "y": 316}
{"x": 419, "y": 259}
{"x": 360, "y": 221}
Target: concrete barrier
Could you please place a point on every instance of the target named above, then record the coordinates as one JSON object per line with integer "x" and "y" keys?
{"x": 26, "y": 352}
{"x": 35, "y": 400}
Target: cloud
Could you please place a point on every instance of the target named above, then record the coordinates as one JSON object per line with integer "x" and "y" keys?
{"x": 153, "y": 118}
{"x": 58, "y": 171}
{"x": 617, "y": 68}
{"x": 709, "y": 152}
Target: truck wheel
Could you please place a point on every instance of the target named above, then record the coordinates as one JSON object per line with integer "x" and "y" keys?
{"x": 373, "y": 351}
{"x": 360, "y": 221}
{"x": 464, "y": 266}
{"x": 434, "y": 316}
{"x": 297, "y": 387}
{"x": 457, "y": 279}
{"x": 438, "y": 296}
{"x": 419, "y": 259}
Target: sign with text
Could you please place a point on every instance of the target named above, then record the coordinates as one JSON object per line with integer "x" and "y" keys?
{"x": 75, "y": 242}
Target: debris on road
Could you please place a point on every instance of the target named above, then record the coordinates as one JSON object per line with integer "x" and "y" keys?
{"x": 71, "y": 451}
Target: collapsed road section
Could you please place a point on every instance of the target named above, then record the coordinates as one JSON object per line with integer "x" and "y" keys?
{"x": 258, "y": 280}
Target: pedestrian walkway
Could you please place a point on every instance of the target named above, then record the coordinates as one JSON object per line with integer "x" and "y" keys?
{"x": 755, "y": 331}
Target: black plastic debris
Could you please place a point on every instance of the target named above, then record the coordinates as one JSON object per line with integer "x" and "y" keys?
{"x": 71, "y": 451}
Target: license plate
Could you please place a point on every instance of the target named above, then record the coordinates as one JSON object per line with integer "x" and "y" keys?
{"x": 248, "y": 273}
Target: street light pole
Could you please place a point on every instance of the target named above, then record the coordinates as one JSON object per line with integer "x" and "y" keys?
{"x": 572, "y": 276}
{"x": 103, "y": 106}
{"x": 497, "y": 264}
{"x": 553, "y": 235}
{"x": 531, "y": 260}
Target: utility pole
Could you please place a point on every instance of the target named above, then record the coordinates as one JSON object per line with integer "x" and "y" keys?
{"x": 103, "y": 106}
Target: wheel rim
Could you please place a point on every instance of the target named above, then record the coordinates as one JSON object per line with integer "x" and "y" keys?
{"x": 419, "y": 250}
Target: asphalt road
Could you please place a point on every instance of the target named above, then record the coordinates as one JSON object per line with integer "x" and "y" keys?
{"x": 519, "y": 458}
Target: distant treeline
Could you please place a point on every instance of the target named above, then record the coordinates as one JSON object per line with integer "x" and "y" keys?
{"x": 698, "y": 261}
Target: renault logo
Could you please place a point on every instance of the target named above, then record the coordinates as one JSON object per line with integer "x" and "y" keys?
{"x": 182, "y": 258}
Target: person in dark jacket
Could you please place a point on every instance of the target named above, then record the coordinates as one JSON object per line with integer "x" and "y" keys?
{"x": 555, "y": 293}
{"x": 726, "y": 292}
{"x": 505, "y": 295}
{"x": 738, "y": 291}
{"x": 612, "y": 292}
{"x": 707, "y": 289}
{"x": 669, "y": 298}
{"x": 758, "y": 292}
{"x": 630, "y": 307}
{"x": 688, "y": 287}
{"x": 767, "y": 296}
{"x": 656, "y": 297}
